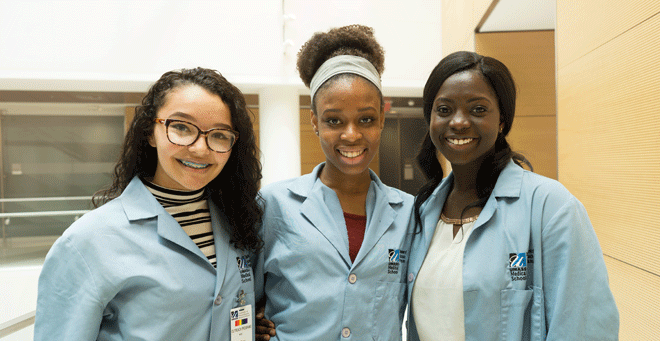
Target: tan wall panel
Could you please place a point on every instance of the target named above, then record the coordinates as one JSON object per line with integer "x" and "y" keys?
{"x": 459, "y": 19}
{"x": 609, "y": 142}
{"x": 254, "y": 117}
{"x": 530, "y": 56}
{"x": 129, "y": 114}
{"x": 583, "y": 26}
{"x": 637, "y": 297}
{"x": 536, "y": 138}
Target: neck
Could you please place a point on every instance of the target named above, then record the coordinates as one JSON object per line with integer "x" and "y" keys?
{"x": 465, "y": 178}
{"x": 351, "y": 184}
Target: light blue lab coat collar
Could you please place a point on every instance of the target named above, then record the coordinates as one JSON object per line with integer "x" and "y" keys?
{"x": 322, "y": 208}
{"x": 508, "y": 185}
{"x": 140, "y": 204}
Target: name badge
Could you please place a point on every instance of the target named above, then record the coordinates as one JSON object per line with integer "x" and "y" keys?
{"x": 241, "y": 323}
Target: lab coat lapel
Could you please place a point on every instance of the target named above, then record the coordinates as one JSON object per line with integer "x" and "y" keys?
{"x": 380, "y": 216}
{"x": 221, "y": 240}
{"x": 508, "y": 185}
{"x": 139, "y": 203}
{"x": 169, "y": 228}
{"x": 323, "y": 210}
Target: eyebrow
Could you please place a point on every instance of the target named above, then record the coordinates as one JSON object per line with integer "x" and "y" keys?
{"x": 339, "y": 110}
{"x": 474, "y": 99}
{"x": 191, "y": 118}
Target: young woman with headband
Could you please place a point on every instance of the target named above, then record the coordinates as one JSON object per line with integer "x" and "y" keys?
{"x": 167, "y": 255}
{"x": 336, "y": 241}
{"x": 500, "y": 253}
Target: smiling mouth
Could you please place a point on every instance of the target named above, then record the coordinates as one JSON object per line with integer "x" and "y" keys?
{"x": 351, "y": 154}
{"x": 194, "y": 165}
{"x": 460, "y": 141}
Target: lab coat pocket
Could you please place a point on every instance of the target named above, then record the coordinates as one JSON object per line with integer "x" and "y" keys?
{"x": 387, "y": 310}
{"x": 515, "y": 314}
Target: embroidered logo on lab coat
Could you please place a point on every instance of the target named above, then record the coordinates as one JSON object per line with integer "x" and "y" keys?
{"x": 244, "y": 267}
{"x": 395, "y": 258}
{"x": 518, "y": 264}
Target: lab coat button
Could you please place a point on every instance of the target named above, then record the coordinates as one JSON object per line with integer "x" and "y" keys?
{"x": 411, "y": 277}
{"x": 218, "y": 300}
{"x": 352, "y": 279}
{"x": 345, "y": 332}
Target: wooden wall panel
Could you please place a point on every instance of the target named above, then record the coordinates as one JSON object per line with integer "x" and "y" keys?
{"x": 129, "y": 114}
{"x": 583, "y": 26}
{"x": 254, "y": 117}
{"x": 636, "y": 294}
{"x": 609, "y": 143}
{"x": 536, "y": 138}
{"x": 530, "y": 57}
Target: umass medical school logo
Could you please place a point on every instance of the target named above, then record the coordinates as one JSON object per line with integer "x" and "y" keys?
{"x": 518, "y": 264}
{"x": 244, "y": 267}
{"x": 395, "y": 258}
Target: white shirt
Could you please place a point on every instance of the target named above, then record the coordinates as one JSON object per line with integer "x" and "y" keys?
{"x": 437, "y": 297}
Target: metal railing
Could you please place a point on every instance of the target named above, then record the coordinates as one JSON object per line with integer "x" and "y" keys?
{"x": 16, "y": 324}
{"x": 44, "y": 199}
{"x": 8, "y": 216}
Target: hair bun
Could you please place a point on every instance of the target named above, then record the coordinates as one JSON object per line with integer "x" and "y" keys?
{"x": 356, "y": 40}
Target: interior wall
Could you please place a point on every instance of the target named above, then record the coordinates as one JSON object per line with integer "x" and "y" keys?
{"x": 609, "y": 143}
{"x": 530, "y": 56}
{"x": 459, "y": 19}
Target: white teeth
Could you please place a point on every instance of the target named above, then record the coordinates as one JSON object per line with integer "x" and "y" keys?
{"x": 460, "y": 141}
{"x": 351, "y": 154}
{"x": 194, "y": 165}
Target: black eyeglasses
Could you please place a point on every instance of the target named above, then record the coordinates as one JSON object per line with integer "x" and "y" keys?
{"x": 184, "y": 133}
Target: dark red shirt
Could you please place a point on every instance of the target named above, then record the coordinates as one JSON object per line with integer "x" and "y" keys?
{"x": 355, "y": 226}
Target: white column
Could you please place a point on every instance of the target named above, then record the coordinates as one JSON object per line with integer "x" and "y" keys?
{"x": 279, "y": 133}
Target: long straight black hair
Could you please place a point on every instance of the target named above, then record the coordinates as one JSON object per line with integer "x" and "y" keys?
{"x": 499, "y": 78}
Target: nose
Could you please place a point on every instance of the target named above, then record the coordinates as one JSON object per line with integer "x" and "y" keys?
{"x": 200, "y": 146}
{"x": 459, "y": 121}
{"x": 351, "y": 133}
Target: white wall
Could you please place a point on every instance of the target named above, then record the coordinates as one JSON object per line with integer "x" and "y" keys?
{"x": 118, "y": 45}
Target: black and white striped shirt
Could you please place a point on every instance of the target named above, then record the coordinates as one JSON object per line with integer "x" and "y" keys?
{"x": 191, "y": 210}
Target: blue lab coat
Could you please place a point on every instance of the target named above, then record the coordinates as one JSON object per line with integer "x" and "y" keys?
{"x": 532, "y": 269}
{"x": 313, "y": 289}
{"x": 128, "y": 271}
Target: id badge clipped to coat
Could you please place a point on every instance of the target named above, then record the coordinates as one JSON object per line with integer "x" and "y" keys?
{"x": 241, "y": 321}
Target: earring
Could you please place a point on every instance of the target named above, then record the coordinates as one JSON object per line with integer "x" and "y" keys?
{"x": 317, "y": 133}
{"x": 501, "y": 130}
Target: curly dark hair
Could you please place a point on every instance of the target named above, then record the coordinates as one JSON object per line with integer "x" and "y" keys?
{"x": 499, "y": 78}
{"x": 235, "y": 190}
{"x": 355, "y": 40}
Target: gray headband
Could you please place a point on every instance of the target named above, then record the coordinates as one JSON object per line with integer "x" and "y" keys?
{"x": 344, "y": 64}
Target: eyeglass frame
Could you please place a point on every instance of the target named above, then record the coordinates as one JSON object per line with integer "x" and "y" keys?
{"x": 167, "y": 121}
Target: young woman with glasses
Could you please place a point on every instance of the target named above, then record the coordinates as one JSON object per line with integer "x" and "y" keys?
{"x": 168, "y": 254}
{"x": 336, "y": 241}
